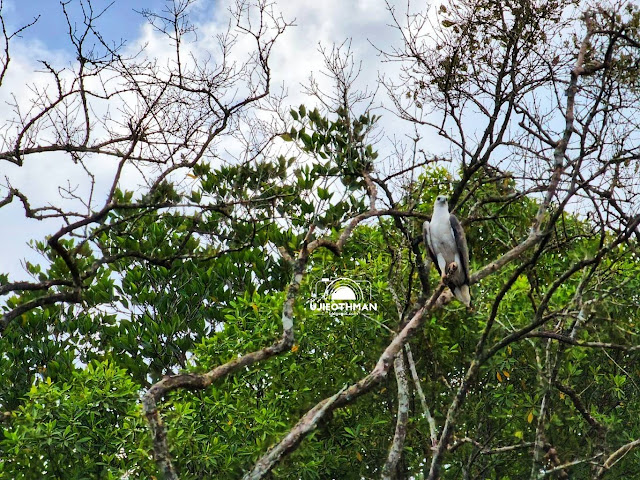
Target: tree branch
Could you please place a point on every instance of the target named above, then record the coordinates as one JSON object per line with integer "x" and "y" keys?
{"x": 389, "y": 470}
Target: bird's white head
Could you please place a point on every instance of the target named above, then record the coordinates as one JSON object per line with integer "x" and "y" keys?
{"x": 441, "y": 201}
{"x": 441, "y": 207}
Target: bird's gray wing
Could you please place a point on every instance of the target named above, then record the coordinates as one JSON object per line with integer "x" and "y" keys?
{"x": 426, "y": 234}
{"x": 461, "y": 244}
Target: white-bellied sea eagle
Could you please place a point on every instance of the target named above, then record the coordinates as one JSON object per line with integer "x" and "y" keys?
{"x": 447, "y": 246}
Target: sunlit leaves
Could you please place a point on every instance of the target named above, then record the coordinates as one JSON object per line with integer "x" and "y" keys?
{"x": 87, "y": 427}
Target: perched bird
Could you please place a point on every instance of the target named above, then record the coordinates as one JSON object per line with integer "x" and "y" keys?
{"x": 447, "y": 246}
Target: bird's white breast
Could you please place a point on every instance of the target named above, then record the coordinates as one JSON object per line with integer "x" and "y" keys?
{"x": 442, "y": 237}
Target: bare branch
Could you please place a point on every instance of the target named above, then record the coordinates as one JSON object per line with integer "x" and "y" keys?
{"x": 390, "y": 468}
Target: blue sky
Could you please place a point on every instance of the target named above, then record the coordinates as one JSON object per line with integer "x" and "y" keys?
{"x": 295, "y": 58}
{"x": 118, "y": 22}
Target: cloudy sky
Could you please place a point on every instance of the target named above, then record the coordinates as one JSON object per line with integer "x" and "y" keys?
{"x": 366, "y": 23}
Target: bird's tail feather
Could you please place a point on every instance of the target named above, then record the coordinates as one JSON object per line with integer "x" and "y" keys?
{"x": 462, "y": 294}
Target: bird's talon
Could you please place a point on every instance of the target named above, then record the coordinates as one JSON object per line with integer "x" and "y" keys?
{"x": 451, "y": 268}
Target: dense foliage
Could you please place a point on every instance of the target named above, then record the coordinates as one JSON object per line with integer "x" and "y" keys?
{"x": 85, "y": 422}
